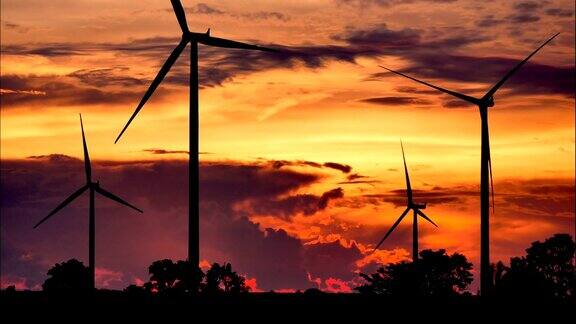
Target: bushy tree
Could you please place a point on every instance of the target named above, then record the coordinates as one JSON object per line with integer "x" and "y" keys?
{"x": 221, "y": 279}
{"x": 68, "y": 277}
{"x": 435, "y": 274}
{"x": 547, "y": 271}
{"x": 167, "y": 277}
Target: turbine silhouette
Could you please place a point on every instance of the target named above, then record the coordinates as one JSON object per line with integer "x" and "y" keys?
{"x": 93, "y": 187}
{"x": 194, "y": 39}
{"x": 411, "y": 205}
{"x": 485, "y": 163}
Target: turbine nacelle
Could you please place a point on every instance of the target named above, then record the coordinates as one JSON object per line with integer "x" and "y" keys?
{"x": 192, "y": 36}
{"x": 417, "y": 206}
{"x": 490, "y": 102}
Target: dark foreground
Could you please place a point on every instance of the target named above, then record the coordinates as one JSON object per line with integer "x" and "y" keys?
{"x": 110, "y": 305}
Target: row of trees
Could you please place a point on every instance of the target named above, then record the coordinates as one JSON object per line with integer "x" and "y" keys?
{"x": 166, "y": 278}
{"x": 547, "y": 271}
{"x": 184, "y": 278}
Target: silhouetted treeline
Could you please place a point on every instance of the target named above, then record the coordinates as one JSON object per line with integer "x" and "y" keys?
{"x": 547, "y": 271}
{"x": 435, "y": 274}
{"x": 183, "y": 278}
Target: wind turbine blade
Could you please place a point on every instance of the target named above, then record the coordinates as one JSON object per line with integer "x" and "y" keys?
{"x": 63, "y": 204}
{"x": 87, "y": 166}
{"x": 110, "y": 195}
{"x": 159, "y": 77}
{"x": 419, "y": 212}
{"x": 408, "y": 186}
{"x": 450, "y": 92}
{"x": 392, "y": 229}
{"x": 180, "y": 15}
{"x": 495, "y": 88}
{"x": 226, "y": 43}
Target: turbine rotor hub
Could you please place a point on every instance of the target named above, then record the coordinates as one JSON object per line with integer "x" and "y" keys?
{"x": 491, "y": 102}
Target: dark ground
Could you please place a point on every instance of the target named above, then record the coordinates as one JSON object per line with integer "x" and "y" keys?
{"x": 114, "y": 305}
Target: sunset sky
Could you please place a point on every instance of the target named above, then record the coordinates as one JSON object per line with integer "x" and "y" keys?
{"x": 301, "y": 171}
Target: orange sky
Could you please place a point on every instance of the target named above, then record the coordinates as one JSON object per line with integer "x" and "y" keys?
{"x": 294, "y": 111}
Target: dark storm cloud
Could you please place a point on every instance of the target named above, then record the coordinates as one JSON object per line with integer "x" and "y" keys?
{"x": 387, "y": 3}
{"x": 422, "y": 48}
{"x": 31, "y": 90}
{"x": 201, "y": 8}
{"x": 15, "y": 27}
{"x": 397, "y": 101}
{"x": 489, "y": 21}
{"x": 523, "y": 18}
{"x": 163, "y": 151}
{"x": 54, "y": 158}
{"x": 150, "y": 47}
{"x": 529, "y": 5}
{"x": 106, "y": 77}
{"x": 235, "y": 183}
{"x": 277, "y": 164}
{"x": 456, "y": 103}
{"x": 435, "y": 196}
{"x": 338, "y": 166}
{"x": 533, "y": 78}
{"x": 299, "y": 204}
{"x": 559, "y": 12}
{"x": 205, "y": 9}
{"x": 414, "y": 90}
{"x": 355, "y": 176}
{"x": 331, "y": 260}
{"x": 369, "y": 182}
{"x": 46, "y": 50}
{"x": 265, "y": 15}
{"x": 541, "y": 198}
{"x": 221, "y": 65}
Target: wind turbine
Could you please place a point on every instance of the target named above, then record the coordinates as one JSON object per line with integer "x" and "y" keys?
{"x": 194, "y": 39}
{"x": 93, "y": 187}
{"x": 416, "y": 208}
{"x": 485, "y": 163}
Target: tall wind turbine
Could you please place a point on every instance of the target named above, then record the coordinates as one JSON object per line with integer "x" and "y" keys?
{"x": 93, "y": 187}
{"x": 194, "y": 39}
{"x": 416, "y": 208}
{"x": 485, "y": 163}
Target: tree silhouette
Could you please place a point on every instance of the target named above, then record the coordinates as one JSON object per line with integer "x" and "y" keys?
{"x": 68, "y": 277}
{"x": 189, "y": 277}
{"x": 185, "y": 278}
{"x": 547, "y": 271}
{"x": 221, "y": 279}
{"x": 163, "y": 275}
{"x": 167, "y": 277}
{"x": 435, "y": 274}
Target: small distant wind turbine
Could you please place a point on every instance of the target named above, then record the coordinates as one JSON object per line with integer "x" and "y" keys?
{"x": 485, "y": 163}
{"x": 93, "y": 187}
{"x": 411, "y": 205}
{"x": 194, "y": 39}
